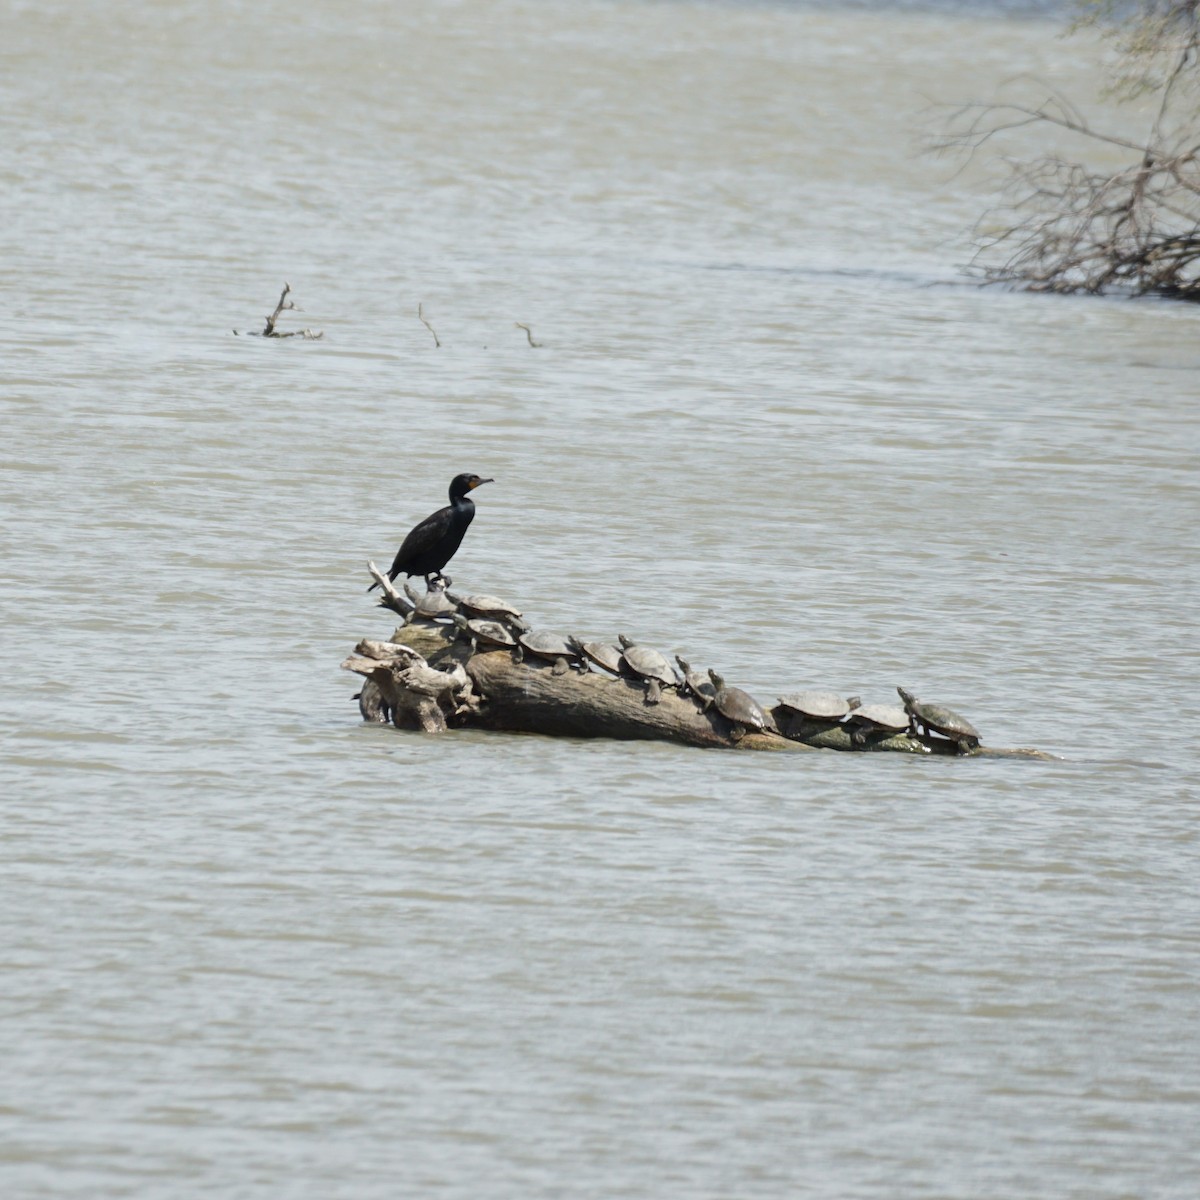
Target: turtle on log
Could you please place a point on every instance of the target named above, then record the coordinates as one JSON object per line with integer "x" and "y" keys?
{"x": 695, "y": 684}
{"x": 603, "y": 654}
{"x": 484, "y": 633}
{"x": 738, "y": 707}
{"x": 643, "y": 663}
{"x": 869, "y": 718}
{"x": 491, "y": 608}
{"x": 930, "y": 718}
{"x": 433, "y": 604}
{"x": 555, "y": 649}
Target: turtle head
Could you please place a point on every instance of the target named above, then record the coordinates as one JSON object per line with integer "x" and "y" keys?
{"x": 625, "y": 641}
{"x": 853, "y": 702}
{"x": 908, "y": 698}
{"x": 684, "y": 665}
{"x": 717, "y": 681}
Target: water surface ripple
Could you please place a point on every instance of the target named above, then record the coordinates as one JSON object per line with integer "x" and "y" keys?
{"x": 252, "y": 948}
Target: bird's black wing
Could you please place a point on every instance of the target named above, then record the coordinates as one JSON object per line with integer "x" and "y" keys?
{"x": 421, "y": 539}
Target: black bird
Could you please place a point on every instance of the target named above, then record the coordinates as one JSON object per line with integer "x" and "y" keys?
{"x": 431, "y": 544}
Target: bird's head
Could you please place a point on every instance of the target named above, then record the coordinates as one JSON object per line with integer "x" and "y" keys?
{"x": 460, "y": 485}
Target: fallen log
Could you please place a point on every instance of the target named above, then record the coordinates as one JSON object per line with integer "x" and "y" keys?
{"x": 425, "y": 665}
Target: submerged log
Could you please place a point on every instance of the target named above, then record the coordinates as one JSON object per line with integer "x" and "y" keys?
{"x": 408, "y": 677}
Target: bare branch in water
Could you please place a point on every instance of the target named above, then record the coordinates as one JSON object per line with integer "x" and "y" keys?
{"x": 269, "y": 330}
{"x": 421, "y": 315}
{"x": 1067, "y": 226}
{"x": 528, "y": 335}
{"x": 283, "y": 305}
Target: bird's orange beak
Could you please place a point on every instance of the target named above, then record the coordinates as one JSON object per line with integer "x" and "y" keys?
{"x": 479, "y": 482}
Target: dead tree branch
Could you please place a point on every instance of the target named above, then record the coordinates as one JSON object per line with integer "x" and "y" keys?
{"x": 421, "y": 316}
{"x": 269, "y": 329}
{"x": 1065, "y": 226}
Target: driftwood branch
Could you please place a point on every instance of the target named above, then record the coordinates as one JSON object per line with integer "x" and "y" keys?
{"x": 404, "y": 688}
{"x": 529, "y": 335}
{"x": 283, "y": 305}
{"x": 269, "y": 329}
{"x": 391, "y": 598}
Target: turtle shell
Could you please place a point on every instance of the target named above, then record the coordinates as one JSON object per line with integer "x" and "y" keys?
{"x": 697, "y": 684}
{"x": 879, "y": 716}
{"x": 939, "y": 718}
{"x": 604, "y": 655}
{"x": 945, "y": 720}
{"x": 548, "y": 645}
{"x": 741, "y": 707}
{"x": 490, "y": 633}
{"x": 491, "y": 607}
{"x": 649, "y": 664}
{"x": 824, "y": 706}
{"x": 434, "y": 603}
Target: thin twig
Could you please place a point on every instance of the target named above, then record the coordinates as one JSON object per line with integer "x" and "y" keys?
{"x": 528, "y": 334}
{"x": 427, "y": 325}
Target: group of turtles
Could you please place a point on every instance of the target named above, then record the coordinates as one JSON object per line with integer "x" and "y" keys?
{"x": 493, "y": 623}
{"x": 918, "y": 719}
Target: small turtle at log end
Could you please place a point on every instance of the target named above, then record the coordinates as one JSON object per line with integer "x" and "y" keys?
{"x": 491, "y": 608}
{"x": 696, "y": 685}
{"x": 484, "y": 633}
{"x": 937, "y": 718}
{"x": 603, "y": 654}
{"x": 818, "y": 706}
{"x": 739, "y": 707}
{"x": 432, "y": 605}
{"x": 643, "y": 663}
{"x": 551, "y": 647}
{"x": 866, "y": 718}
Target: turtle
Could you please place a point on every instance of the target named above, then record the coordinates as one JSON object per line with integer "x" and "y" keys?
{"x": 937, "y": 718}
{"x": 865, "y": 718}
{"x": 697, "y": 686}
{"x": 484, "y": 633}
{"x": 738, "y": 707}
{"x": 433, "y": 604}
{"x": 643, "y": 663}
{"x": 557, "y": 650}
{"x": 605, "y": 655}
{"x": 817, "y": 706}
{"x": 491, "y": 608}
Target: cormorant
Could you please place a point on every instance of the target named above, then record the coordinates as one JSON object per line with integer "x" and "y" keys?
{"x": 431, "y": 544}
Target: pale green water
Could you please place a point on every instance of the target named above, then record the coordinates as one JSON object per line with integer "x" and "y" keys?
{"x": 252, "y": 948}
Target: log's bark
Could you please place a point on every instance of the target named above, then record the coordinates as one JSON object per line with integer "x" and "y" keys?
{"x": 408, "y": 678}
{"x": 529, "y": 697}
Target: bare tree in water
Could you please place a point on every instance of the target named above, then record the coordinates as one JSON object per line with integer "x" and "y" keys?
{"x": 1065, "y": 226}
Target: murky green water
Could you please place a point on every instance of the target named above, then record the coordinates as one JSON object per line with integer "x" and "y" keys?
{"x": 252, "y": 948}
